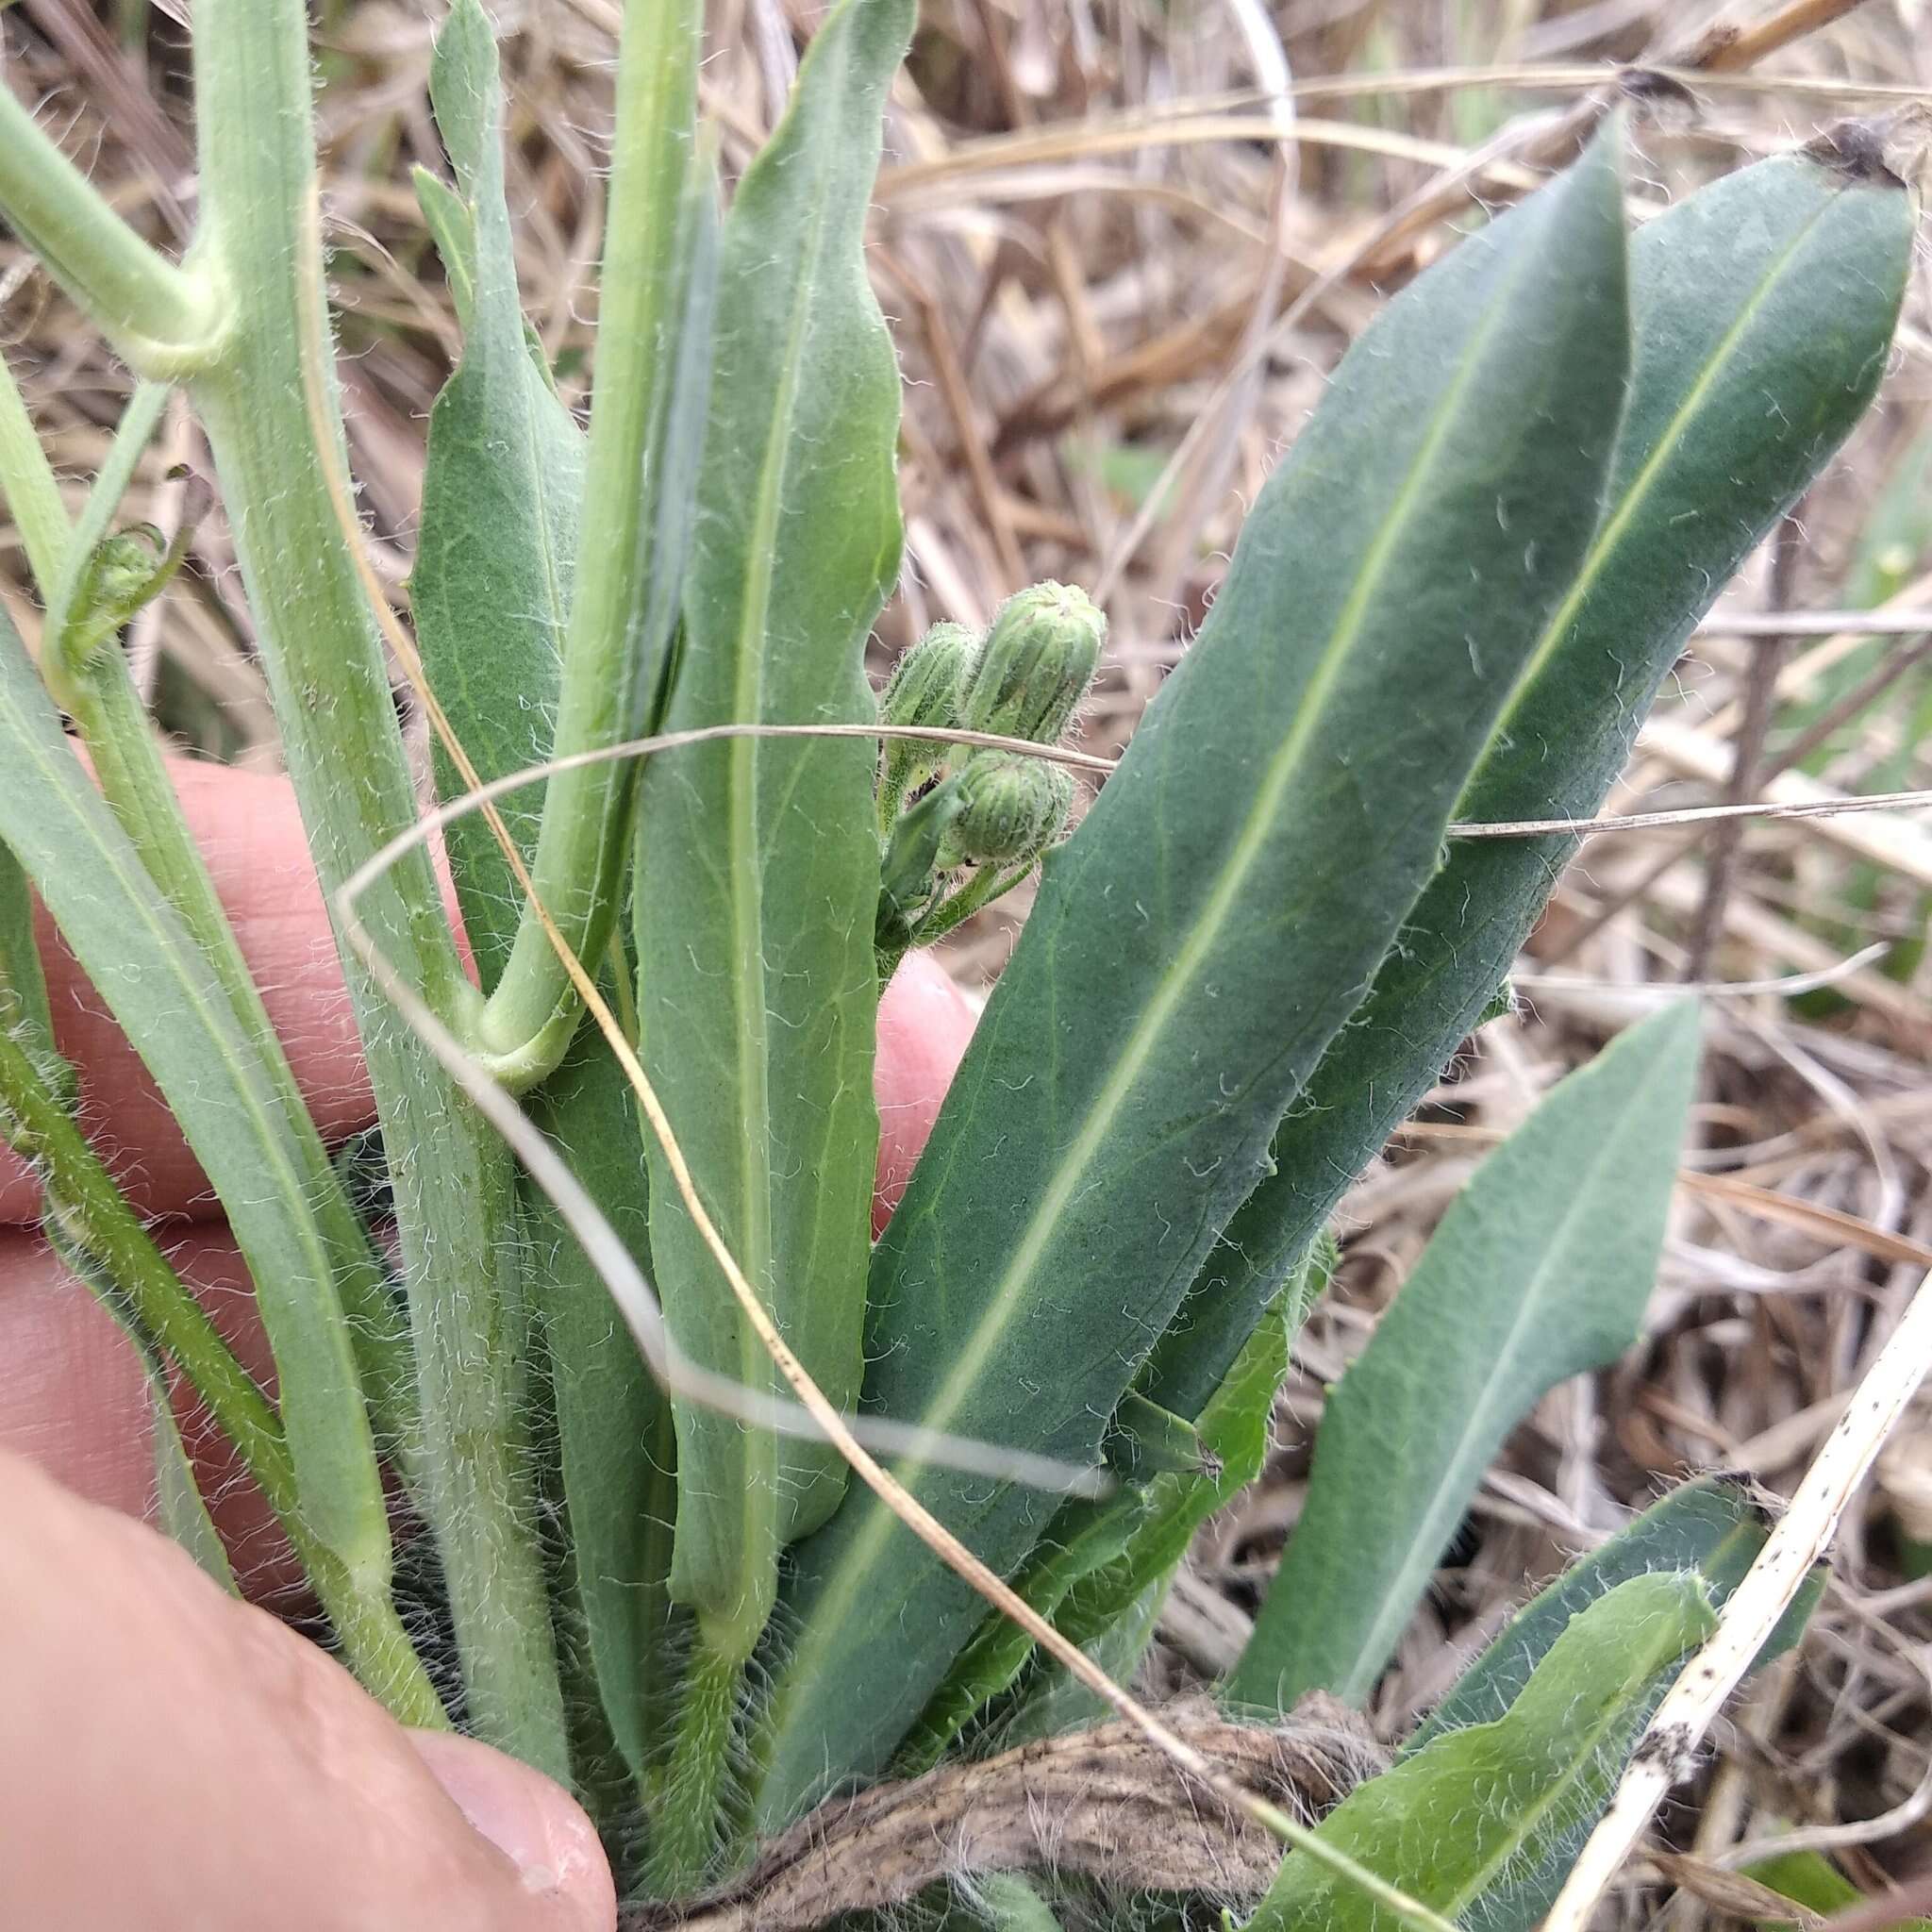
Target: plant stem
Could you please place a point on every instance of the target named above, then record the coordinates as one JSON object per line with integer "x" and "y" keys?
{"x": 95, "y": 688}
{"x": 454, "y": 1178}
{"x": 33, "y": 495}
{"x": 630, "y": 555}
{"x": 92, "y": 1212}
{"x": 686, "y": 1818}
{"x": 165, "y": 321}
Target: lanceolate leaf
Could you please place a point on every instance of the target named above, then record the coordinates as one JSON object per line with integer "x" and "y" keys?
{"x": 1710, "y": 1525}
{"x": 1484, "y": 1824}
{"x": 613, "y": 1423}
{"x": 164, "y": 992}
{"x": 758, "y": 868}
{"x": 1197, "y": 942}
{"x": 1762, "y": 308}
{"x": 494, "y": 563}
{"x": 1541, "y": 1270}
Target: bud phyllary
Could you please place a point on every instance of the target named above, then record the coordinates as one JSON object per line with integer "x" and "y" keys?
{"x": 1036, "y": 665}
{"x": 1010, "y": 808}
{"x": 927, "y": 688}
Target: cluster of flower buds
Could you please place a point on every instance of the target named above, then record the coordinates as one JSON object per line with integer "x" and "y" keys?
{"x": 995, "y": 811}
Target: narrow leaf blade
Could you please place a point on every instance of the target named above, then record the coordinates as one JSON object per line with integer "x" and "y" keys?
{"x": 1711, "y": 1526}
{"x": 758, "y": 869}
{"x": 1483, "y": 1825}
{"x": 501, "y": 495}
{"x": 1540, "y": 1269}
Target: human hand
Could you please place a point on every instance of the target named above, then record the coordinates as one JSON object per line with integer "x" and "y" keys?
{"x": 173, "y": 1759}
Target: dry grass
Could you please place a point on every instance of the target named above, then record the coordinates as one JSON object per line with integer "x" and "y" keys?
{"x": 1112, "y": 274}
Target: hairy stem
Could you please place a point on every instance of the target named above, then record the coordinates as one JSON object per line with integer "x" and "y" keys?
{"x": 92, "y": 684}
{"x": 163, "y": 320}
{"x": 452, "y": 1177}
{"x": 32, "y": 495}
{"x": 94, "y": 1214}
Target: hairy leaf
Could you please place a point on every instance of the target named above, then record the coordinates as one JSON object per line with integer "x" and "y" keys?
{"x": 1217, "y": 916}
{"x": 612, "y": 1421}
{"x": 1484, "y": 1824}
{"x": 1711, "y": 1526}
{"x": 758, "y": 867}
{"x": 501, "y": 497}
{"x": 1762, "y": 310}
{"x": 166, "y": 996}
{"x": 24, "y": 1009}
{"x": 1540, "y": 1269}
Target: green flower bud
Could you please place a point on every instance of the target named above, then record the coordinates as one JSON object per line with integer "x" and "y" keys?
{"x": 1040, "y": 658}
{"x": 925, "y": 689}
{"x": 1011, "y": 807}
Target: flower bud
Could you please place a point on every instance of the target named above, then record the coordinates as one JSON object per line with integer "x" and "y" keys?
{"x": 1039, "y": 659}
{"x": 1011, "y": 807}
{"x": 925, "y": 689}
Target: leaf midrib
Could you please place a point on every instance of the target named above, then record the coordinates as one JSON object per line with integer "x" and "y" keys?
{"x": 747, "y": 880}
{"x": 1611, "y": 534}
{"x": 1482, "y": 1415}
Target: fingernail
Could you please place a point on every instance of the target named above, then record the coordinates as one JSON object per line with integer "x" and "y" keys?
{"x": 535, "y": 1824}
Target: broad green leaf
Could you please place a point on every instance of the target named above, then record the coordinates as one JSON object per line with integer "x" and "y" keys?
{"x": 1484, "y": 1824}
{"x": 1197, "y": 942}
{"x": 1540, "y": 1269}
{"x": 1710, "y": 1525}
{"x": 1762, "y": 308}
{"x": 758, "y": 867}
{"x": 165, "y": 995}
{"x": 501, "y": 497}
{"x": 613, "y": 1422}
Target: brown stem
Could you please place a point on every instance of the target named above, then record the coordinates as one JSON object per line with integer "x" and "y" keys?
{"x": 1104, "y": 1802}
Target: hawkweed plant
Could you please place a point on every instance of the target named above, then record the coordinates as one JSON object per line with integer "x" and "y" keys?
{"x": 690, "y": 844}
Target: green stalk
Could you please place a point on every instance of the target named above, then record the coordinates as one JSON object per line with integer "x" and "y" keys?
{"x": 454, "y": 1178}
{"x": 89, "y": 677}
{"x": 91, "y": 1213}
{"x": 631, "y": 553}
{"x": 165, "y": 321}
{"x": 32, "y": 493}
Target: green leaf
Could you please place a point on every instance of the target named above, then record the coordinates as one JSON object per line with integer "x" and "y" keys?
{"x": 180, "y": 1506}
{"x": 613, "y": 1422}
{"x": 1540, "y": 1269}
{"x": 1812, "y": 1880}
{"x": 501, "y": 497}
{"x": 1197, "y": 942}
{"x": 1146, "y": 1440}
{"x": 166, "y": 996}
{"x": 24, "y": 1009}
{"x": 180, "y": 1510}
{"x": 1111, "y": 1613}
{"x": 1484, "y": 1824}
{"x": 758, "y": 867}
{"x": 1710, "y": 1525}
{"x": 1762, "y": 311}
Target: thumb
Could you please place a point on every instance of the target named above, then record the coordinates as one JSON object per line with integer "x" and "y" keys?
{"x": 179, "y": 1761}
